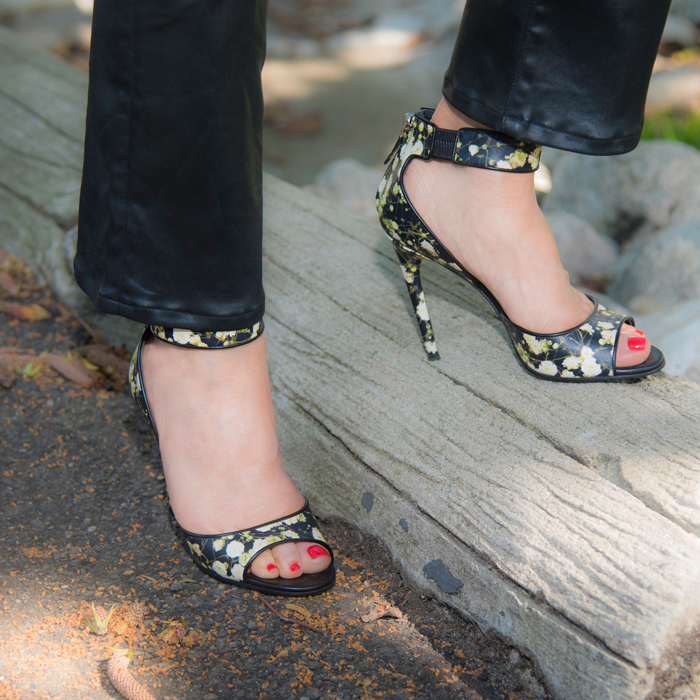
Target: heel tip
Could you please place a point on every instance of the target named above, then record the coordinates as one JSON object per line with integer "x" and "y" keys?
{"x": 433, "y": 356}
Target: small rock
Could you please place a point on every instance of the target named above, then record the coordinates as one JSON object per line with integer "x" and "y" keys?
{"x": 657, "y": 272}
{"x": 313, "y": 694}
{"x": 531, "y": 685}
{"x": 584, "y": 252}
{"x": 209, "y": 696}
{"x": 252, "y": 625}
{"x": 352, "y": 186}
{"x": 679, "y": 30}
{"x": 653, "y": 187}
{"x": 690, "y": 9}
{"x": 677, "y": 333}
{"x": 220, "y": 643}
{"x": 514, "y": 658}
{"x": 483, "y": 676}
{"x": 176, "y": 587}
{"x": 37, "y": 524}
{"x": 672, "y": 88}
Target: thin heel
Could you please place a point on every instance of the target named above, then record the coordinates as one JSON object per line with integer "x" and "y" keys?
{"x": 410, "y": 267}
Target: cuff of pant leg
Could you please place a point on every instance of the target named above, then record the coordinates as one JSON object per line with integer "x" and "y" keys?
{"x": 169, "y": 318}
{"x": 538, "y": 133}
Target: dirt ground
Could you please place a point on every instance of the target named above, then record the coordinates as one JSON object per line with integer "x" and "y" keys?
{"x": 85, "y": 520}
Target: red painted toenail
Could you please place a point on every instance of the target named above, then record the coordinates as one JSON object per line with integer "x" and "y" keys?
{"x": 636, "y": 343}
{"x": 317, "y": 551}
{"x": 294, "y": 567}
{"x": 636, "y": 330}
{"x": 270, "y": 567}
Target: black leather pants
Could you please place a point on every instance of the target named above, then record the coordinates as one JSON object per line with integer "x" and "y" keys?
{"x": 171, "y": 204}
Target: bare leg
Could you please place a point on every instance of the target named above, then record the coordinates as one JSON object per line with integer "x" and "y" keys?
{"x": 219, "y": 445}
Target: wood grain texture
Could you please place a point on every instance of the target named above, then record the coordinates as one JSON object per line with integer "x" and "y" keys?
{"x": 583, "y": 499}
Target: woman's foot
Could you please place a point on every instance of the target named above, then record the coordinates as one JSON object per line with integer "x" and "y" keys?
{"x": 491, "y": 222}
{"x": 218, "y": 441}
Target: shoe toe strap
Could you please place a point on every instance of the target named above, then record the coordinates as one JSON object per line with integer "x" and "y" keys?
{"x": 587, "y": 351}
{"x": 231, "y": 555}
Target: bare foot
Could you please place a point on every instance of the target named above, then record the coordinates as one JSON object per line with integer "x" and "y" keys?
{"x": 218, "y": 442}
{"x": 491, "y": 222}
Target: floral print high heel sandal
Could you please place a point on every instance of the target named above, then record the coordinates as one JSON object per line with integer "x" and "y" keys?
{"x": 585, "y": 353}
{"x": 228, "y": 557}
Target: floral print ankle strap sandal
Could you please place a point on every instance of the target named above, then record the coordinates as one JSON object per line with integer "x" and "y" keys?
{"x": 228, "y": 557}
{"x": 582, "y": 354}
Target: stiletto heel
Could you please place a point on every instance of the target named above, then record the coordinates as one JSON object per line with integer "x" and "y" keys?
{"x": 228, "y": 557}
{"x": 410, "y": 268}
{"x": 585, "y": 353}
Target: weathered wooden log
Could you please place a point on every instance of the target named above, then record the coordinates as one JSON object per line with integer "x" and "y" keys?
{"x": 566, "y": 518}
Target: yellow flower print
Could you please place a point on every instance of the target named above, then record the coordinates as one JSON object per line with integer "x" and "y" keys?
{"x": 607, "y": 337}
{"x": 219, "y": 544}
{"x": 548, "y": 368}
{"x": 234, "y": 549}
{"x": 220, "y": 568}
{"x": 572, "y": 362}
{"x": 587, "y": 328}
{"x": 517, "y": 159}
{"x": 537, "y": 346}
{"x": 589, "y": 366}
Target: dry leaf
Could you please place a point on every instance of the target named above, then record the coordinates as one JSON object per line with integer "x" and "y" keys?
{"x": 7, "y": 283}
{"x": 33, "y": 312}
{"x": 75, "y": 371}
{"x": 174, "y": 632}
{"x": 298, "y": 608}
{"x": 382, "y": 611}
{"x": 10, "y": 360}
{"x": 104, "y": 357}
{"x": 3, "y": 255}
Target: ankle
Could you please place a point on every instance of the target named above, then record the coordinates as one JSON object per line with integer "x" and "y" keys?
{"x": 448, "y": 117}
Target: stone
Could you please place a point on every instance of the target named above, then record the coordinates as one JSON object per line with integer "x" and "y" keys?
{"x": 352, "y": 186}
{"x": 653, "y": 187}
{"x": 584, "y": 252}
{"x": 676, "y": 332}
{"x": 679, "y": 30}
{"x": 690, "y": 9}
{"x": 673, "y": 88}
{"x": 656, "y": 272}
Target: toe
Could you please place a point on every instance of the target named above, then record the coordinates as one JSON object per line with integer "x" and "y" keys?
{"x": 633, "y": 347}
{"x": 313, "y": 557}
{"x": 264, "y": 565}
{"x": 287, "y": 559}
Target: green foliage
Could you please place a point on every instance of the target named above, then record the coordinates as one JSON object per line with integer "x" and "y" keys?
{"x": 675, "y": 125}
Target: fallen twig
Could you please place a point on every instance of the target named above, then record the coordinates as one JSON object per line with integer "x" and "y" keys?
{"x": 290, "y": 620}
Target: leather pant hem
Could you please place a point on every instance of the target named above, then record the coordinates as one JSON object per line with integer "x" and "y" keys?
{"x": 541, "y": 134}
{"x": 170, "y": 318}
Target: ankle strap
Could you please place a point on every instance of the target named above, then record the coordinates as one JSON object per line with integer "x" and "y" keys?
{"x": 207, "y": 339}
{"x": 478, "y": 148}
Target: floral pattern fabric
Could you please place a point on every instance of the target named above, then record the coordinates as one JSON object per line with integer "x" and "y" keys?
{"x": 208, "y": 339}
{"x": 585, "y": 353}
{"x": 228, "y": 557}
{"x": 484, "y": 149}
